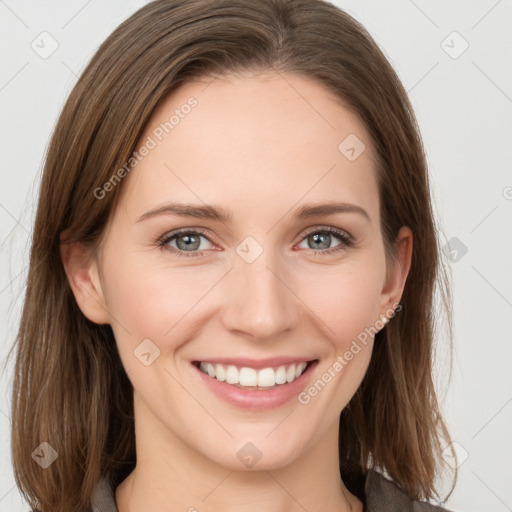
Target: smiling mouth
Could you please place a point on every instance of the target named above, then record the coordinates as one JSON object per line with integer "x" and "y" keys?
{"x": 252, "y": 379}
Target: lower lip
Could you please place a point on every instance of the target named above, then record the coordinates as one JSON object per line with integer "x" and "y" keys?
{"x": 257, "y": 399}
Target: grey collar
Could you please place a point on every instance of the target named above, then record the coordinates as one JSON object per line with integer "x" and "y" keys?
{"x": 381, "y": 495}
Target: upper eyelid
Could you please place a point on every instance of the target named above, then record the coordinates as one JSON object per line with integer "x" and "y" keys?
{"x": 205, "y": 233}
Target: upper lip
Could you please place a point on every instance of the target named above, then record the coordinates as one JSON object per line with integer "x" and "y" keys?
{"x": 255, "y": 363}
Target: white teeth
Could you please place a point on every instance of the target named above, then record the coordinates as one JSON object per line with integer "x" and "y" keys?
{"x": 265, "y": 378}
{"x": 248, "y": 377}
{"x": 300, "y": 368}
{"x": 232, "y": 375}
{"x": 281, "y": 375}
{"x": 220, "y": 373}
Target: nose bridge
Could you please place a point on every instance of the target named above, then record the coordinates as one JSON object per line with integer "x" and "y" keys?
{"x": 260, "y": 303}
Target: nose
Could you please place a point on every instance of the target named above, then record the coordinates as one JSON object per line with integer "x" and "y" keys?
{"x": 260, "y": 301}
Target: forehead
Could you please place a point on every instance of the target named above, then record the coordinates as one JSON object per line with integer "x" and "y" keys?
{"x": 265, "y": 140}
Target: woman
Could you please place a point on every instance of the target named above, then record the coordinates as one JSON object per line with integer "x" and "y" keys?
{"x": 230, "y": 294}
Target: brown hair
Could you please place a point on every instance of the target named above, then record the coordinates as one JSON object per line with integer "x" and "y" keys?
{"x": 70, "y": 388}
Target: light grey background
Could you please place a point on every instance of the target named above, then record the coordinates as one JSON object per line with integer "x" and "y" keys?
{"x": 464, "y": 104}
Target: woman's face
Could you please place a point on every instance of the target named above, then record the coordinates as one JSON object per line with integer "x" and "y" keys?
{"x": 263, "y": 287}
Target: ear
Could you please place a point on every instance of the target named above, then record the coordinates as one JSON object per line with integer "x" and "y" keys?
{"x": 81, "y": 267}
{"x": 397, "y": 274}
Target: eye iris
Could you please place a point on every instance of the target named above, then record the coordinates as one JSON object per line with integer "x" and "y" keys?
{"x": 191, "y": 242}
{"x": 322, "y": 239}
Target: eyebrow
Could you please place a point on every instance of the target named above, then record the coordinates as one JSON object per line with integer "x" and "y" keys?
{"x": 217, "y": 213}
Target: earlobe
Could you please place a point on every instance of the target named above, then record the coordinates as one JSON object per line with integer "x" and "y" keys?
{"x": 396, "y": 278}
{"x": 82, "y": 271}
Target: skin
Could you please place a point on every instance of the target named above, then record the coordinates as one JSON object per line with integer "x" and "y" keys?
{"x": 260, "y": 146}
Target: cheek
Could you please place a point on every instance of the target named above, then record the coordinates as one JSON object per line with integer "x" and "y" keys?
{"x": 346, "y": 298}
{"x": 346, "y": 302}
{"x": 152, "y": 301}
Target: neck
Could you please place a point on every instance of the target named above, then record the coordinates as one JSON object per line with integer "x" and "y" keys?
{"x": 171, "y": 475}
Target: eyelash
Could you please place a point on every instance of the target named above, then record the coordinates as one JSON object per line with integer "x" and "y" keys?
{"x": 346, "y": 241}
